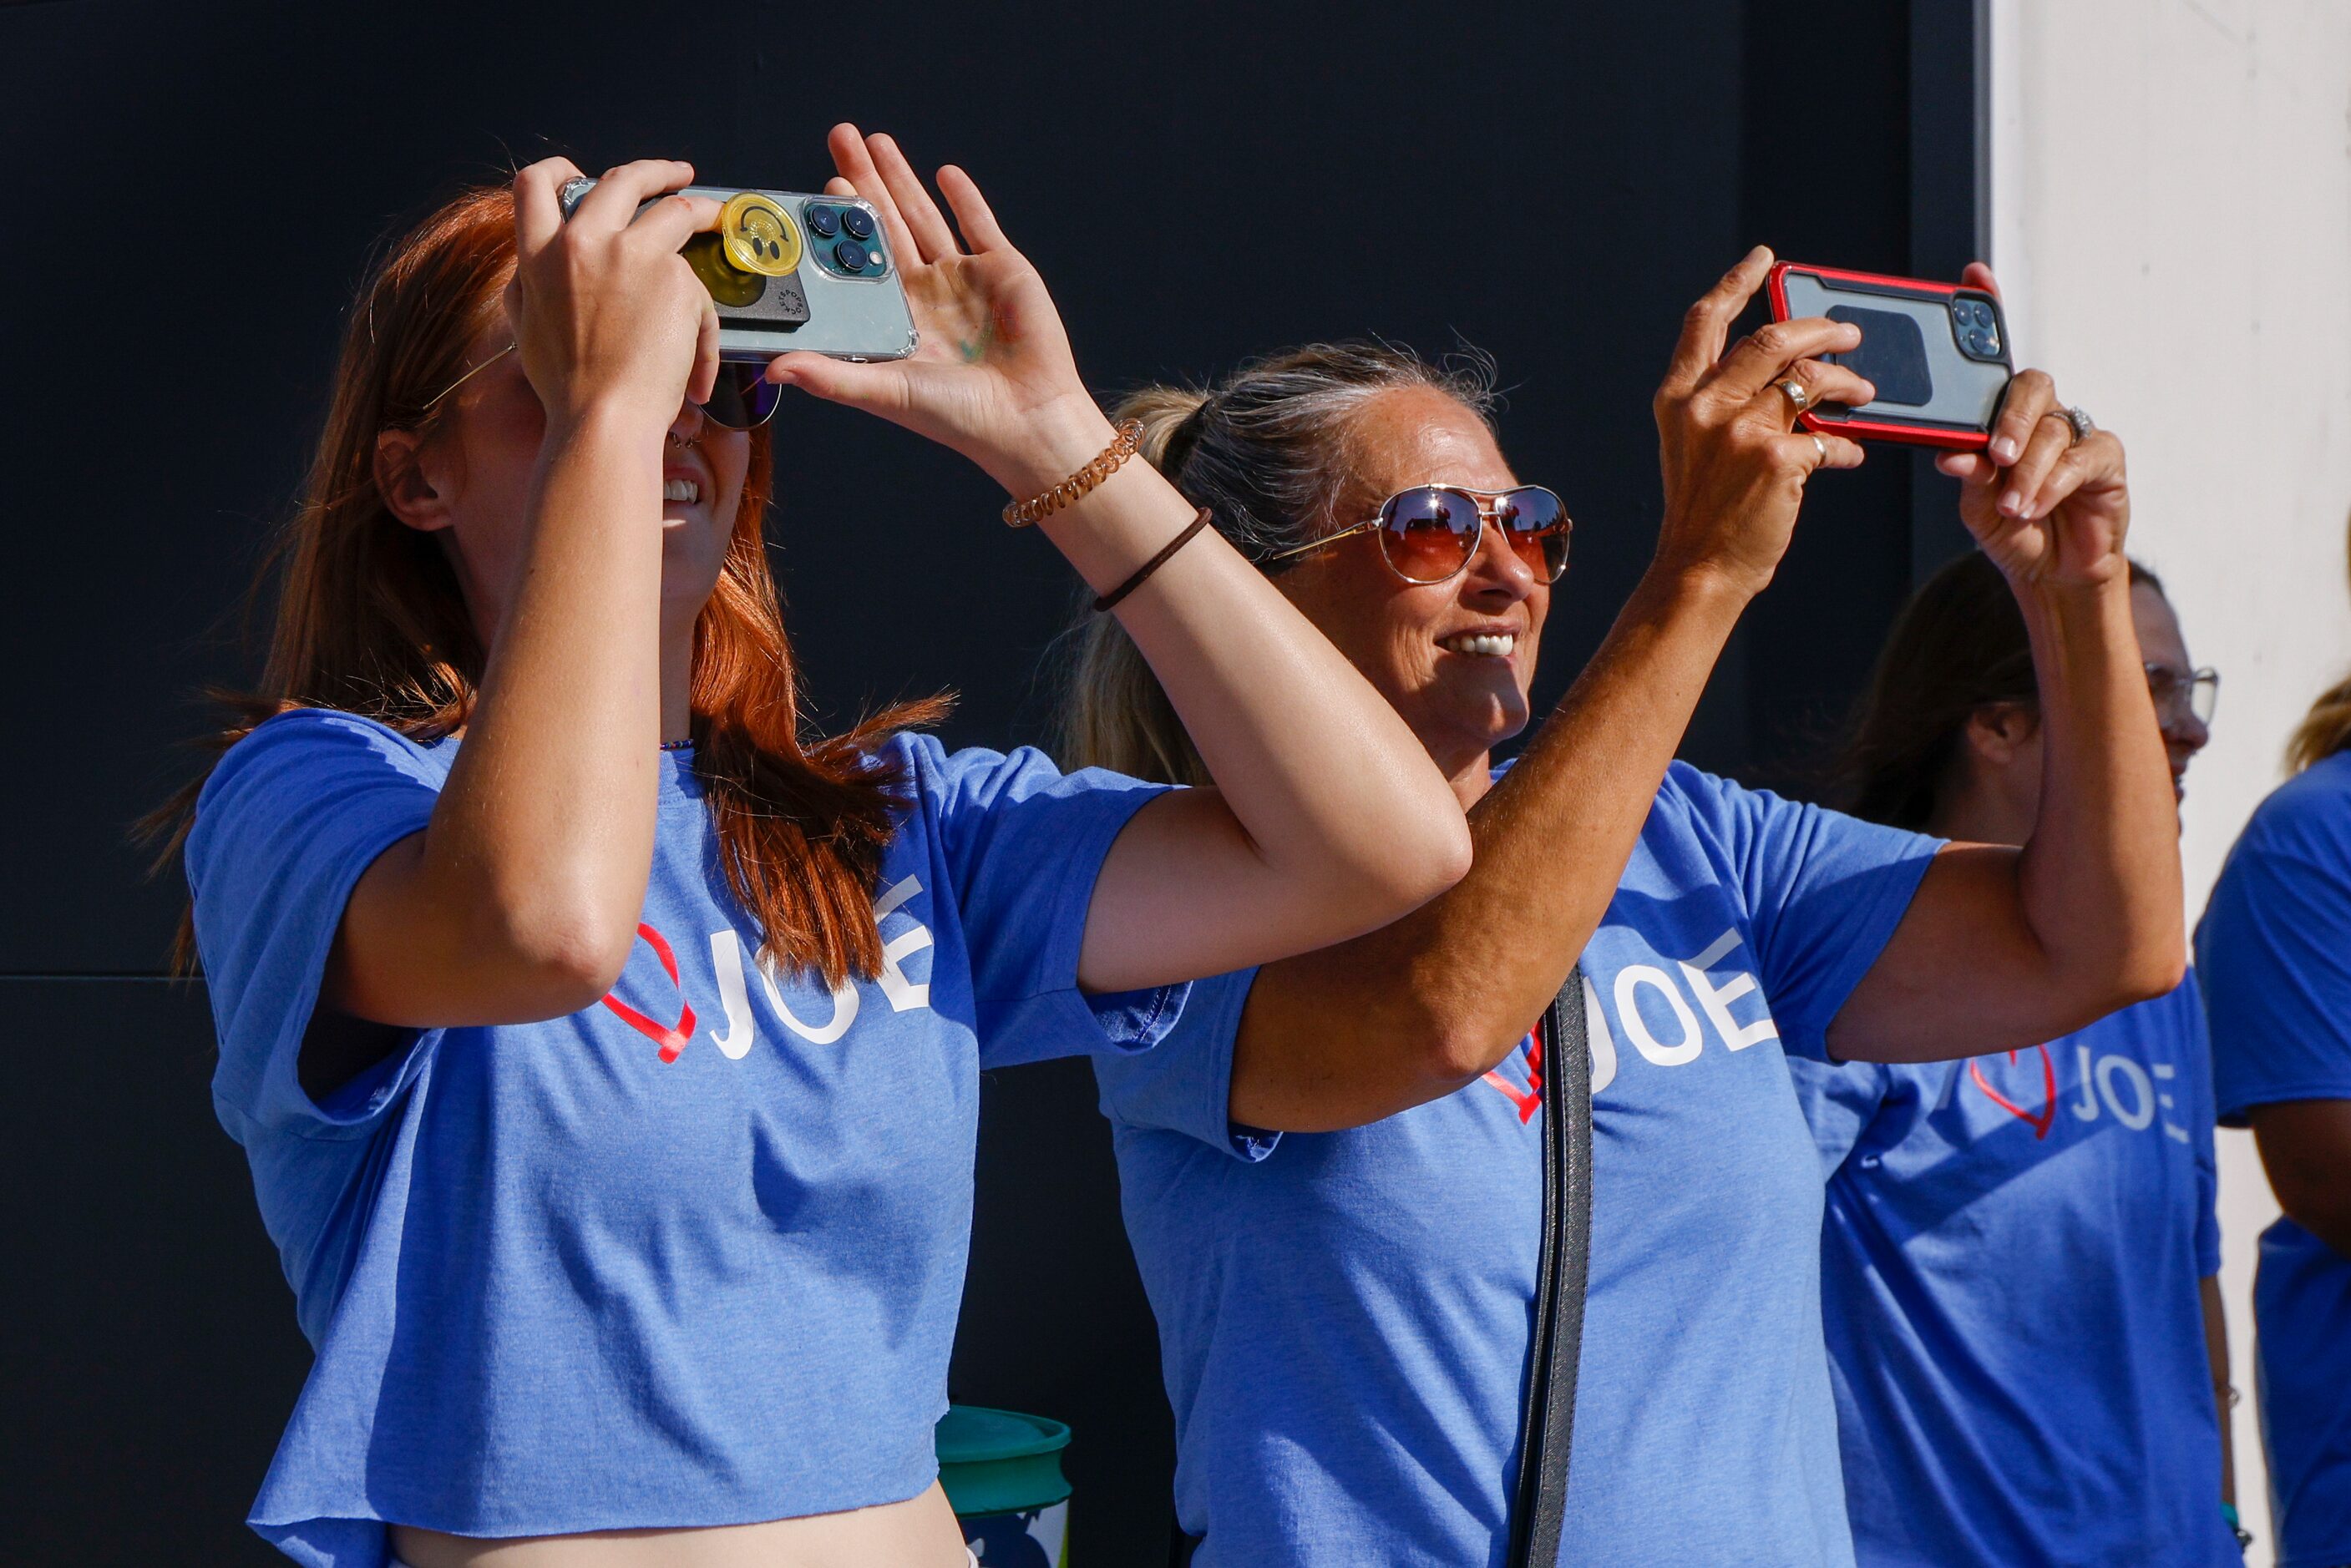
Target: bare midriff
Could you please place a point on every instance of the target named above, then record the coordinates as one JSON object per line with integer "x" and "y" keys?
{"x": 919, "y": 1533}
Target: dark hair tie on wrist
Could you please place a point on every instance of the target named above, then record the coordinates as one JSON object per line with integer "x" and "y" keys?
{"x": 1110, "y": 600}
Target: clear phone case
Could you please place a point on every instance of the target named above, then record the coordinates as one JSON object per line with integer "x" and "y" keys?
{"x": 832, "y": 284}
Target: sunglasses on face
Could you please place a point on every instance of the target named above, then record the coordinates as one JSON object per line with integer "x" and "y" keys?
{"x": 1430, "y": 533}
{"x": 742, "y": 399}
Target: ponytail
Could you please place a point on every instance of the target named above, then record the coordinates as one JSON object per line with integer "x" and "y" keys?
{"x": 1264, "y": 453}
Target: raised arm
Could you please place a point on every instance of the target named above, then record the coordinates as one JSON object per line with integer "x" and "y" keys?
{"x": 2004, "y": 948}
{"x": 1404, "y": 1016}
{"x": 1328, "y": 818}
{"x": 520, "y": 899}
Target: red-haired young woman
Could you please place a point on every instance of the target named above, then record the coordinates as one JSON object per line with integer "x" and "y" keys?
{"x": 605, "y": 1057}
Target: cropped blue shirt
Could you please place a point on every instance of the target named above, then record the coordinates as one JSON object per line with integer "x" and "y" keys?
{"x": 689, "y": 1257}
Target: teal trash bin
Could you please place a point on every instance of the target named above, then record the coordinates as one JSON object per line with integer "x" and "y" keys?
{"x": 1002, "y": 1472}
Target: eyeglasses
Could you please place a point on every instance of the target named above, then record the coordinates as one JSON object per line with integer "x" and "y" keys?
{"x": 1430, "y": 533}
{"x": 742, "y": 399}
{"x": 2184, "y": 694}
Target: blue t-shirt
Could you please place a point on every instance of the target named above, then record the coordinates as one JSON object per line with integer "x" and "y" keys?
{"x": 2274, "y": 949}
{"x": 2009, "y": 1272}
{"x": 1344, "y": 1316}
{"x": 691, "y": 1257}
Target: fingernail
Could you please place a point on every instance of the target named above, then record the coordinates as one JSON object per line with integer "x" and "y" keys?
{"x": 2004, "y": 449}
{"x": 2012, "y": 502}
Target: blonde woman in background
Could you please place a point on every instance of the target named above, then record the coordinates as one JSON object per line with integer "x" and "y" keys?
{"x": 2274, "y": 950}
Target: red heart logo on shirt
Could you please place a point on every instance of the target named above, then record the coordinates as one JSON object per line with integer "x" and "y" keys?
{"x": 2039, "y": 1123}
{"x": 672, "y": 1039}
{"x": 1529, "y": 1099}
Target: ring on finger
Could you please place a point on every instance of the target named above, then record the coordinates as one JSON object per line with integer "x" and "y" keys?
{"x": 1793, "y": 390}
{"x": 1818, "y": 445}
{"x": 2082, "y": 424}
{"x": 2064, "y": 416}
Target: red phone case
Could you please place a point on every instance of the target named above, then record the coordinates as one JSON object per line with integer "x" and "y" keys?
{"x": 1879, "y": 425}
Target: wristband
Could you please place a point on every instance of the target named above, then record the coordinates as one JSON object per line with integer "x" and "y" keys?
{"x": 1110, "y": 600}
{"x": 1022, "y": 513}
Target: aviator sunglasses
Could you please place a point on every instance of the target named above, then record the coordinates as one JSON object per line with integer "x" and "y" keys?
{"x": 742, "y": 399}
{"x": 1430, "y": 533}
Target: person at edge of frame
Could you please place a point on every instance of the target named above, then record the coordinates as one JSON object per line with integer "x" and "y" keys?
{"x": 1331, "y": 1176}
{"x": 2018, "y": 1260}
{"x": 605, "y": 1056}
{"x": 2275, "y": 952}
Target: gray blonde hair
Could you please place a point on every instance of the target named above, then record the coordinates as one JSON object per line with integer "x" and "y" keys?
{"x": 1267, "y": 451}
{"x": 2326, "y": 729}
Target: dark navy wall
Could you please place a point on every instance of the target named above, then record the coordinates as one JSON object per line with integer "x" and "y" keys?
{"x": 195, "y": 191}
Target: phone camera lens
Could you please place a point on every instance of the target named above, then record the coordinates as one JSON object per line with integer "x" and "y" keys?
{"x": 1979, "y": 341}
{"x": 858, "y": 222}
{"x": 851, "y": 256}
{"x": 823, "y": 222}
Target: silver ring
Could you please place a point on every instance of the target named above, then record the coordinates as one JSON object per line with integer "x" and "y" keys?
{"x": 1818, "y": 445}
{"x": 2082, "y": 422}
{"x": 1793, "y": 390}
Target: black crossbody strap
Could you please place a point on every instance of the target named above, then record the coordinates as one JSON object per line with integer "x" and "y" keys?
{"x": 1547, "y": 1425}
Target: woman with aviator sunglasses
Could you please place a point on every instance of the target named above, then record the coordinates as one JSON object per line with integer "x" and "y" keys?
{"x": 1331, "y": 1170}
{"x": 605, "y": 1052}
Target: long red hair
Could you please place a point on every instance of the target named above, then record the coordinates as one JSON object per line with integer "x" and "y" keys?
{"x": 371, "y": 619}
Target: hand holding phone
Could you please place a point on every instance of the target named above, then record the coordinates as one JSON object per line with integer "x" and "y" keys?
{"x": 2048, "y": 500}
{"x": 788, "y": 270}
{"x": 1936, "y": 352}
{"x": 1735, "y": 473}
{"x": 993, "y": 377}
{"x": 593, "y": 314}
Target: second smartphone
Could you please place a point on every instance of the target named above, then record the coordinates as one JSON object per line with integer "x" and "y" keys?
{"x": 1936, "y": 352}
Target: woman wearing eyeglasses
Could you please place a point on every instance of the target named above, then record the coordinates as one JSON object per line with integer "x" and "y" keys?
{"x": 605, "y": 1055}
{"x": 2024, "y": 1329}
{"x": 1332, "y": 1172}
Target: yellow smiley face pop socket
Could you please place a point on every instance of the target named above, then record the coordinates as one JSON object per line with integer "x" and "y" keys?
{"x": 758, "y": 236}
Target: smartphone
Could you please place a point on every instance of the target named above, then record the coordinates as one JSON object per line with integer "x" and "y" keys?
{"x": 1937, "y": 353}
{"x": 789, "y": 270}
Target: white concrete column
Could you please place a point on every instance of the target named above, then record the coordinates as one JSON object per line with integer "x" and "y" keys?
{"x": 2171, "y": 223}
